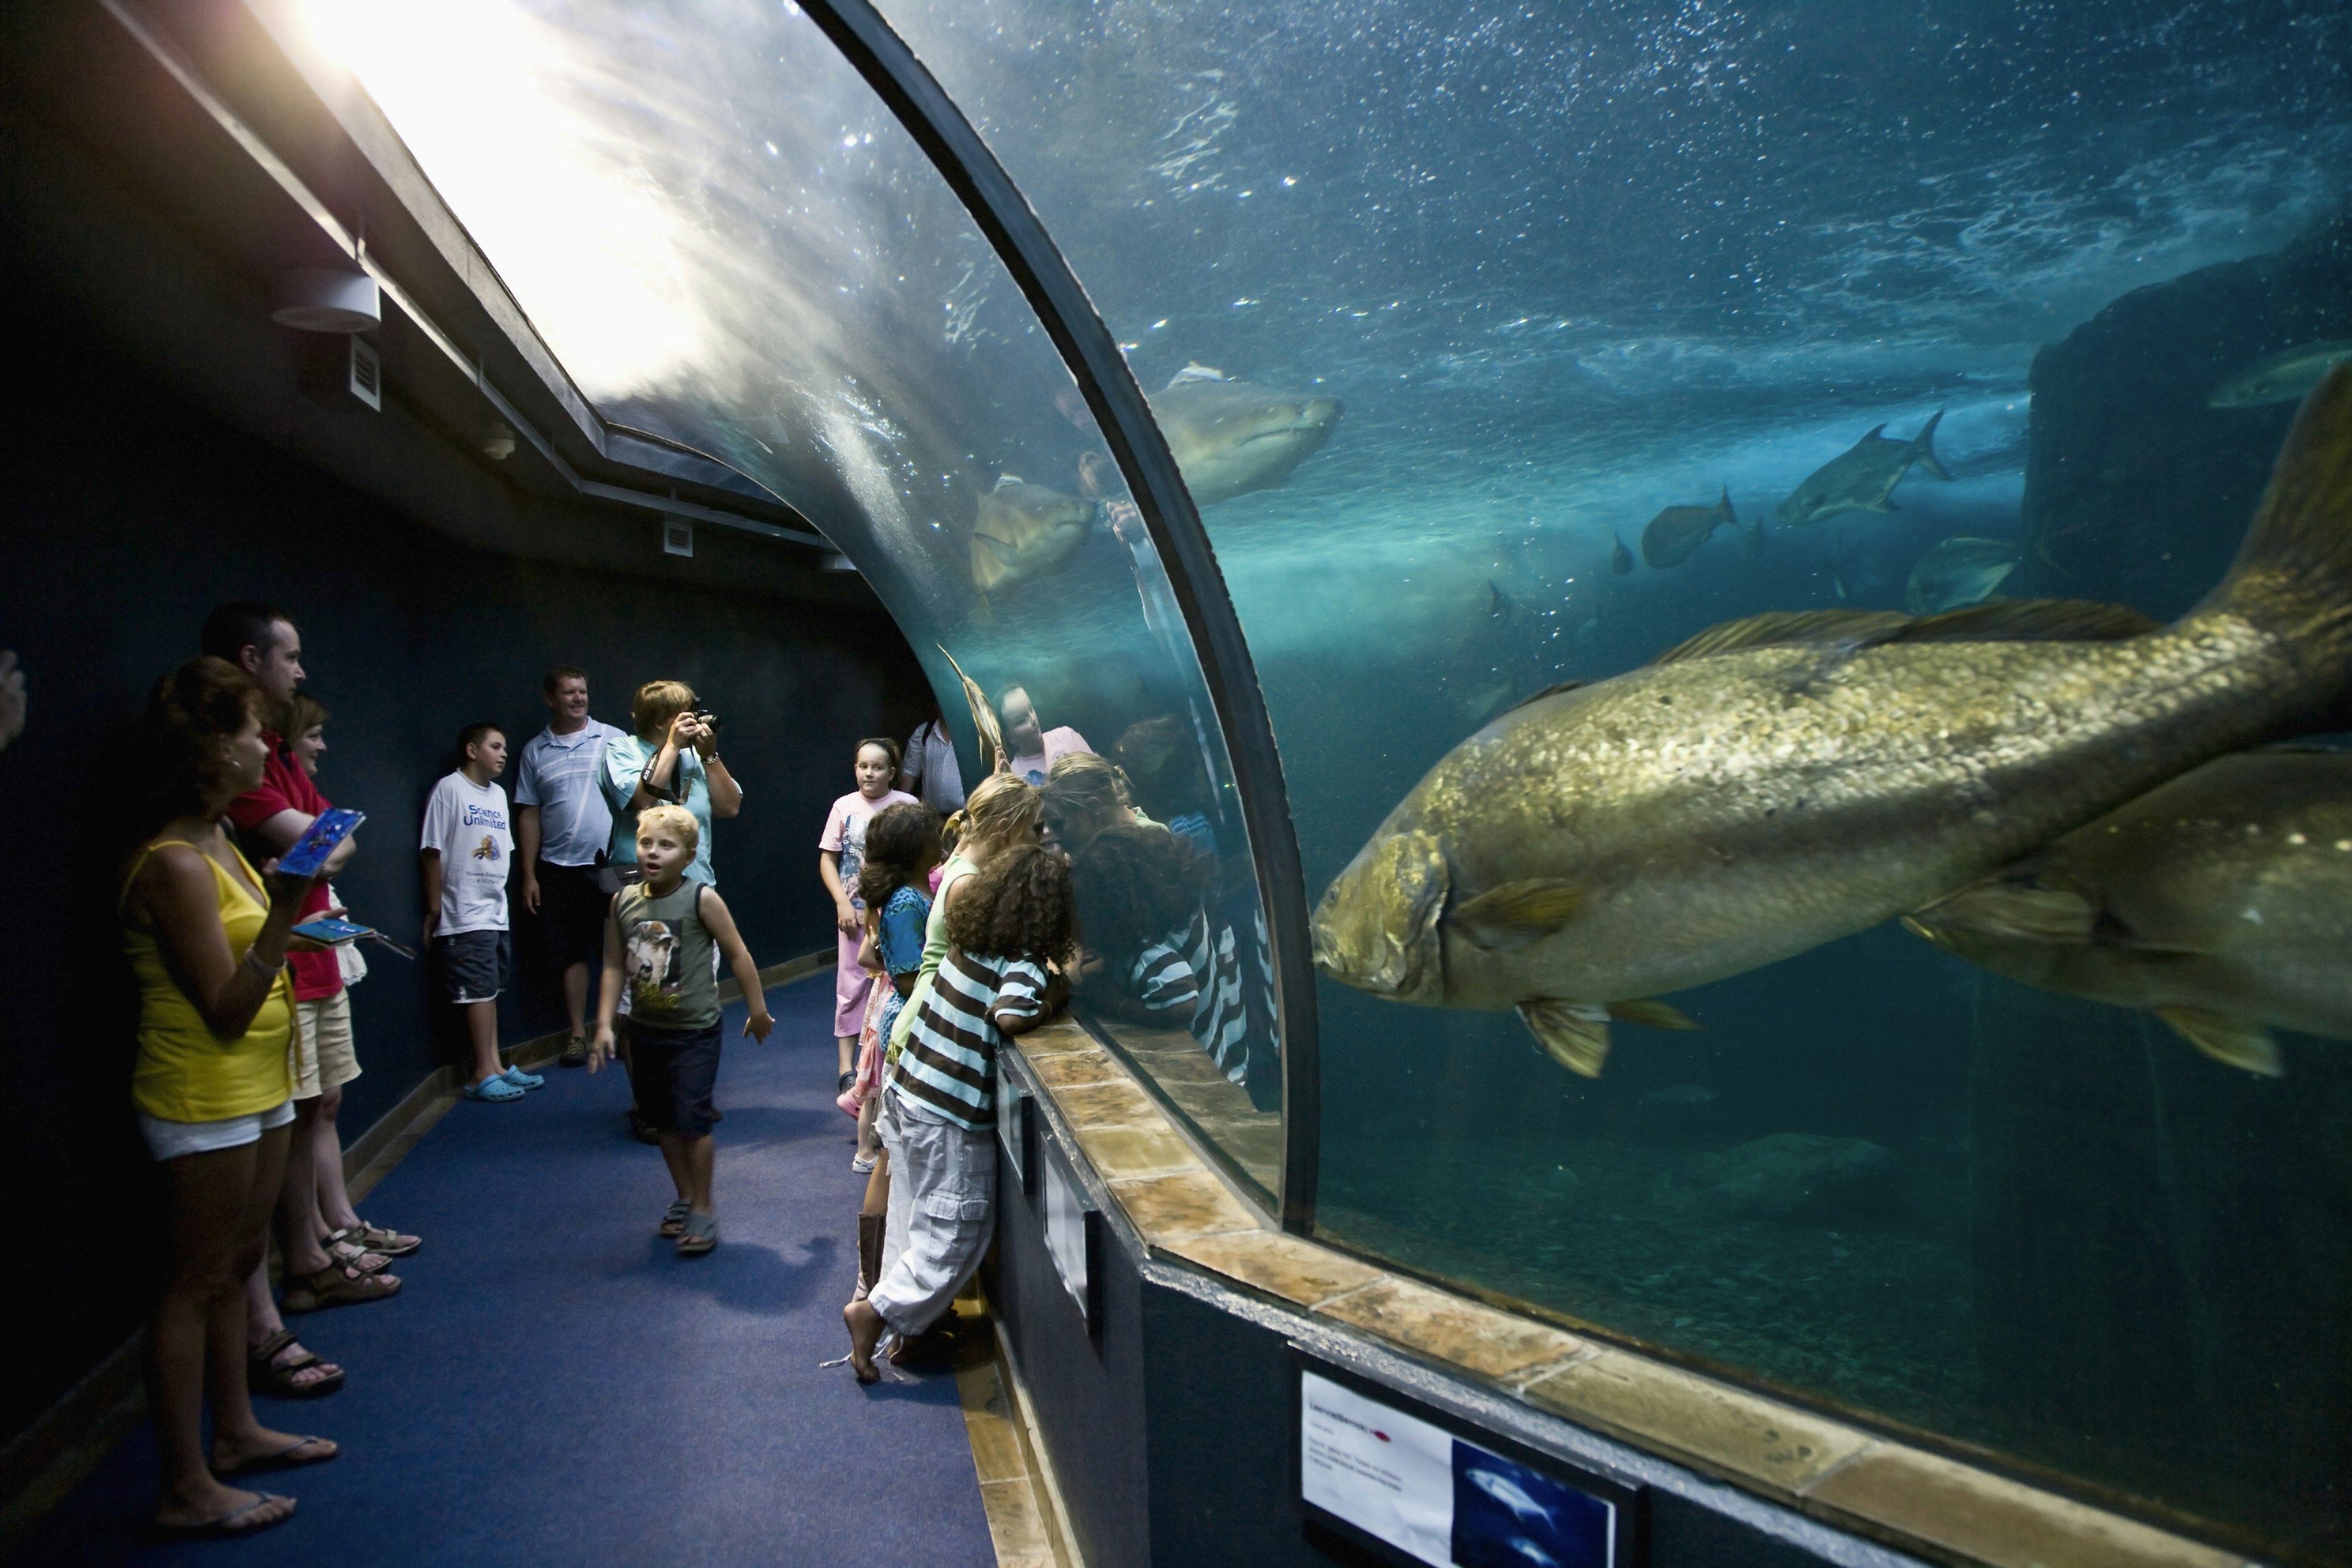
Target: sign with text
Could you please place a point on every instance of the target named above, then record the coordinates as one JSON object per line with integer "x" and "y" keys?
{"x": 1436, "y": 1498}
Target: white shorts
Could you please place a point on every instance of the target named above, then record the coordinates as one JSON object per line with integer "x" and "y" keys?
{"x": 170, "y": 1139}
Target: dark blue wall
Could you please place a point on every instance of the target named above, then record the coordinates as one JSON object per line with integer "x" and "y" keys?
{"x": 131, "y": 514}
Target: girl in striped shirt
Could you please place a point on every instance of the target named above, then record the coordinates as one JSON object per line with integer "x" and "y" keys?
{"x": 1008, "y": 930}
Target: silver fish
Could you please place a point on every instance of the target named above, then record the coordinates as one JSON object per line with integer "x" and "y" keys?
{"x": 2283, "y": 377}
{"x": 1860, "y": 478}
{"x": 1675, "y": 535}
{"x": 1956, "y": 573}
{"x": 1229, "y": 437}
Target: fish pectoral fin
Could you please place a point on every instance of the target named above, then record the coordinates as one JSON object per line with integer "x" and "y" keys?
{"x": 2030, "y": 620}
{"x": 1573, "y": 1034}
{"x": 1653, "y": 1012}
{"x": 1515, "y": 914}
{"x": 2234, "y": 1042}
{"x": 997, "y": 547}
{"x": 2014, "y": 911}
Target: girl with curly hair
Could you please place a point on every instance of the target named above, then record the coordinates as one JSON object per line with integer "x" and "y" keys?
{"x": 1007, "y": 931}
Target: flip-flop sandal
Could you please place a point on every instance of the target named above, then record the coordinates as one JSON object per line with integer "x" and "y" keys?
{"x": 266, "y": 1374}
{"x": 700, "y": 1234}
{"x": 223, "y": 1525}
{"x": 391, "y": 1243}
{"x": 283, "y": 1460}
{"x": 335, "y": 1286}
{"x": 674, "y": 1218}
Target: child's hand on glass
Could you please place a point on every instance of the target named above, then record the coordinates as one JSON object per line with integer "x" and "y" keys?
{"x": 600, "y": 1049}
{"x": 757, "y": 1026}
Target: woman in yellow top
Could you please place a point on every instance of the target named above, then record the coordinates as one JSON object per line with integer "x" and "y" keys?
{"x": 208, "y": 945}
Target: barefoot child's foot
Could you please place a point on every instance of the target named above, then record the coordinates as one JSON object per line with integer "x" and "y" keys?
{"x": 865, "y": 1332}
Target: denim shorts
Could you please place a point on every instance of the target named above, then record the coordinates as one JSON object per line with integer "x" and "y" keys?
{"x": 474, "y": 964}
{"x": 673, "y": 1071}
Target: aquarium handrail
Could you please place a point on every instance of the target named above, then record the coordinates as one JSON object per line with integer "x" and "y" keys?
{"x": 1038, "y": 267}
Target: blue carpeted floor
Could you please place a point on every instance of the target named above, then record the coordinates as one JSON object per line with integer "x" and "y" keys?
{"x": 554, "y": 1386}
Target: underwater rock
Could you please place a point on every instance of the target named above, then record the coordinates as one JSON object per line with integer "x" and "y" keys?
{"x": 1804, "y": 1178}
{"x": 2135, "y": 490}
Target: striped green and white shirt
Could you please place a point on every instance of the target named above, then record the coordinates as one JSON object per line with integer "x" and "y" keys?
{"x": 948, "y": 1068}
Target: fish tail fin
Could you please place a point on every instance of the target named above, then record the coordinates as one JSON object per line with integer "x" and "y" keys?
{"x": 1923, "y": 447}
{"x": 2292, "y": 575}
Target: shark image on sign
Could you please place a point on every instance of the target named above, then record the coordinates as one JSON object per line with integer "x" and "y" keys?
{"x": 1860, "y": 478}
{"x": 1229, "y": 437}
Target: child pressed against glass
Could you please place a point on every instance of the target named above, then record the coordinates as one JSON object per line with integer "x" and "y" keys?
{"x": 658, "y": 941}
{"x": 1006, "y": 928}
{"x": 902, "y": 845}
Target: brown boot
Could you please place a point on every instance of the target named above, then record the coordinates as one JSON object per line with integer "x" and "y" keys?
{"x": 870, "y": 1228}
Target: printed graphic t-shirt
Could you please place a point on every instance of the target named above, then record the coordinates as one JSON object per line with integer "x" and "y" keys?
{"x": 845, "y": 834}
{"x": 665, "y": 952}
{"x": 561, "y": 775}
{"x": 285, "y": 787}
{"x": 1059, "y": 743}
{"x": 467, "y": 822}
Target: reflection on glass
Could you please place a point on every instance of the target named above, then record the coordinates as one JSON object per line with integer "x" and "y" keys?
{"x": 1646, "y": 319}
{"x": 728, "y": 242}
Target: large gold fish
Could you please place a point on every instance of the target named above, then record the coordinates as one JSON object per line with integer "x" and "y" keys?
{"x": 1024, "y": 531}
{"x": 2221, "y": 901}
{"x": 1778, "y": 783}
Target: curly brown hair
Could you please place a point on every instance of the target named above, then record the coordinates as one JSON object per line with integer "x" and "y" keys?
{"x": 1020, "y": 907}
{"x": 191, "y": 714}
{"x": 902, "y": 842}
{"x": 1135, "y": 886}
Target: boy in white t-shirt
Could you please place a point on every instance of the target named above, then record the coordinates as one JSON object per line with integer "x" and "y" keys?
{"x": 468, "y": 845}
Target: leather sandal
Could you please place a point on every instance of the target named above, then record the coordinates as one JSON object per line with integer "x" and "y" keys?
{"x": 390, "y": 1243}
{"x": 266, "y": 1374}
{"x": 336, "y": 1285}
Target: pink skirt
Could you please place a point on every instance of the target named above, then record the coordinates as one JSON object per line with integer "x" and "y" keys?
{"x": 851, "y": 986}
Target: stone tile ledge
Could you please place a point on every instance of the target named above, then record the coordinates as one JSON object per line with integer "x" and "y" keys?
{"x": 1844, "y": 1475}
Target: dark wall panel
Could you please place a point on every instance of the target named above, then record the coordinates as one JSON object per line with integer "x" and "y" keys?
{"x": 131, "y": 514}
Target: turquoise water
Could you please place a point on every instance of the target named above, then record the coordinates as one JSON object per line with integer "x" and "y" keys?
{"x": 1566, "y": 267}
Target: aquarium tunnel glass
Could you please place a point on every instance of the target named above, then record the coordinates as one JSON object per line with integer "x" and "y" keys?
{"x": 1504, "y": 347}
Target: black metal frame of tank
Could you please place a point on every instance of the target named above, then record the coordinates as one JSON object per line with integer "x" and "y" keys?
{"x": 988, "y": 193}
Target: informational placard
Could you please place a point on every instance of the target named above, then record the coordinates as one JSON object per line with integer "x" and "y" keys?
{"x": 1015, "y": 1108}
{"x": 1438, "y": 1497}
{"x": 1073, "y": 1226}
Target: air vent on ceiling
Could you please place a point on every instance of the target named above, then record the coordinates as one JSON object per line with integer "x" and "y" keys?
{"x": 678, "y": 536}
{"x": 366, "y": 373}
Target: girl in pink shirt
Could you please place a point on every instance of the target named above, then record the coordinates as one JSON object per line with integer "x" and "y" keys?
{"x": 842, "y": 852}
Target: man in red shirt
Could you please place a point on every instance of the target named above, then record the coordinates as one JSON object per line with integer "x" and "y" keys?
{"x": 262, "y": 641}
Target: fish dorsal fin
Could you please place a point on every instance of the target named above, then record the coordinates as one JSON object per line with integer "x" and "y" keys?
{"x": 1791, "y": 629}
{"x": 1194, "y": 371}
{"x": 1877, "y": 431}
{"x": 2235, "y": 1042}
{"x": 1513, "y": 915}
{"x": 2030, "y": 620}
{"x": 1573, "y": 1034}
{"x": 1004, "y": 480}
{"x": 1554, "y": 689}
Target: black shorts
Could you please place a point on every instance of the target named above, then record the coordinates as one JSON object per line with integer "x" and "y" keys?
{"x": 571, "y": 911}
{"x": 673, "y": 1071}
{"x": 474, "y": 964}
